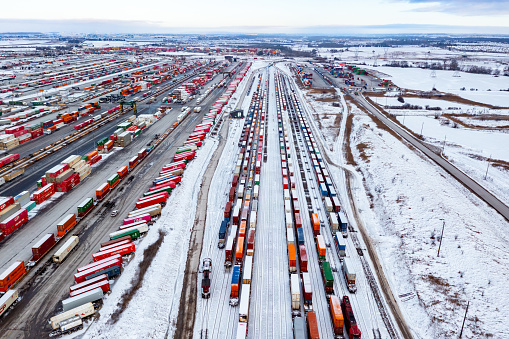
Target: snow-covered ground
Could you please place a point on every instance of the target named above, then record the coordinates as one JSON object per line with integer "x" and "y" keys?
{"x": 156, "y": 303}
{"x": 411, "y": 199}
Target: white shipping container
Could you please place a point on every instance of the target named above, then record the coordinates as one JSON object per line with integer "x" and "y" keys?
{"x": 290, "y": 236}
{"x": 240, "y": 192}
{"x": 248, "y": 269}
{"x": 289, "y": 220}
{"x": 288, "y": 206}
{"x": 65, "y": 249}
{"x": 7, "y": 300}
{"x": 328, "y": 204}
{"x": 241, "y": 331}
{"x": 287, "y": 194}
{"x": 252, "y": 220}
{"x": 295, "y": 289}
{"x": 333, "y": 221}
{"x": 244, "y": 303}
{"x": 255, "y": 191}
{"x": 143, "y": 228}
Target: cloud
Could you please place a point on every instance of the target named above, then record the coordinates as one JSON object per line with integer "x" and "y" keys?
{"x": 464, "y": 7}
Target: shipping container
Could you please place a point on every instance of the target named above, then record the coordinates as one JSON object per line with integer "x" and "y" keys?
{"x": 104, "y": 285}
{"x": 7, "y": 300}
{"x": 245, "y": 297}
{"x": 85, "y": 206}
{"x": 320, "y": 247}
{"x": 292, "y": 258}
{"x": 65, "y": 249}
{"x": 247, "y": 270}
{"x": 303, "y": 258}
{"x": 299, "y": 328}
{"x": 66, "y": 224}
{"x": 295, "y": 291}
{"x": 9, "y": 277}
{"x": 235, "y": 283}
{"x": 83, "y": 311}
{"x": 81, "y": 299}
{"x": 122, "y": 250}
{"x": 117, "y": 259}
{"x": 307, "y": 290}
{"x": 349, "y": 274}
{"x": 336, "y": 315}
{"x": 88, "y": 282}
{"x": 43, "y": 246}
{"x": 102, "y": 191}
{"x": 328, "y": 278}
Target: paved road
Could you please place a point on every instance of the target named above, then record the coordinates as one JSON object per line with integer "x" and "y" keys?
{"x": 471, "y": 184}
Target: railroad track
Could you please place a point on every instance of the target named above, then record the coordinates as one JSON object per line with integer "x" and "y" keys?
{"x": 372, "y": 282}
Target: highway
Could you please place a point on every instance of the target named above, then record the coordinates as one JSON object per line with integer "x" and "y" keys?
{"x": 50, "y": 285}
{"x": 459, "y": 175}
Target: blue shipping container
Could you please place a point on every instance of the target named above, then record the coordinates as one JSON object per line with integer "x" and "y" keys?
{"x": 300, "y": 236}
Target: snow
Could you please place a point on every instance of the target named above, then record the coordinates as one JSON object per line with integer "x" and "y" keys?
{"x": 412, "y": 198}
{"x": 156, "y": 303}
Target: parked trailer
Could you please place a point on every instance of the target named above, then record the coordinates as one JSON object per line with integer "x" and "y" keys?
{"x": 295, "y": 291}
{"x": 65, "y": 249}
{"x": 343, "y": 224}
{"x": 230, "y": 245}
{"x": 122, "y": 250}
{"x": 245, "y": 297}
{"x": 81, "y": 299}
{"x": 241, "y": 331}
{"x": 321, "y": 248}
{"x": 116, "y": 258}
{"x": 349, "y": 275}
{"x": 235, "y": 285}
{"x": 153, "y": 210}
{"x": 82, "y": 311}
{"x": 7, "y": 300}
{"x": 102, "y": 277}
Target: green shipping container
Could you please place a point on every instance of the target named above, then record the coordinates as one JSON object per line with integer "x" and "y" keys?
{"x": 85, "y": 204}
{"x": 39, "y": 183}
{"x": 102, "y": 141}
{"x": 84, "y": 157}
{"x": 113, "y": 179}
{"x": 30, "y": 206}
{"x": 327, "y": 273}
{"x": 35, "y": 126}
{"x": 164, "y": 189}
{"x": 137, "y": 132}
{"x": 37, "y": 103}
{"x": 134, "y": 234}
{"x": 183, "y": 150}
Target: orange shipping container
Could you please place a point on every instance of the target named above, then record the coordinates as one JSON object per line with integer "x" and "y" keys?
{"x": 336, "y": 314}
{"x": 92, "y": 154}
{"x": 316, "y": 224}
{"x": 122, "y": 171}
{"x": 313, "y": 326}
{"x": 66, "y": 224}
{"x": 239, "y": 254}
{"x": 292, "y": 257}
{"x": 242, "y": 228}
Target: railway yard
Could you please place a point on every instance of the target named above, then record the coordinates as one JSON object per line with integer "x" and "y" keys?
{"x": 193, "y": 195}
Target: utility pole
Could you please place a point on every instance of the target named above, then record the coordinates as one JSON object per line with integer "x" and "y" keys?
{"x": 487, "y": 168}
{"x": 422, "y": 126}
{"x": 443, "y": 148}
{"x": 464, "y": 318}
{"x": 441, "y": 237}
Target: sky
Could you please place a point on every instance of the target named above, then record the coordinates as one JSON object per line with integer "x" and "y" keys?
{"x": 256, "y": 16}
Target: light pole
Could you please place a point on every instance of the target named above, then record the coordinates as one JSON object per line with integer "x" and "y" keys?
{"x": 487, "y": 168}
{"x": 441, "y": 237}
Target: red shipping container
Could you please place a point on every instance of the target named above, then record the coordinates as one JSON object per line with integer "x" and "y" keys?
{"x": 70, "y": 182}
{"x": 6, "y": 202}
{"x": 122, "y": 250}
{"x": 164, "y": 193}
{"x": 14, "y": 221}
{"x": 298, "y": 220}
{"x": 44, "y": 193}
{"x": 96, "y": 158}
{"x": 174, "y": 166}
{"x": 103, "y": 284}
{"x": 184, "y": 156}
{"x": 228, "y": 209}
{"x": 57, "y": 170}
{"x": 43, "y": 246}
{"x": 149, "y": 202}
{"x": 231, "y": 195}
{"x": 81, "y": 277}
{"x": 117, "y": 258}
{"x": 88, "y": 282}
{"x": 303, "y": 258}
{"x": 117, "y": 244}
{"x": 174, "y": 180}
{"x": 250, "y": 241}
{"x": 12, "y": 130}
{"x": 170, "y": 184}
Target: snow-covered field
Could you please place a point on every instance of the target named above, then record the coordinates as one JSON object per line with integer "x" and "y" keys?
{"x": 156, "y": 303}
{"x": 411, "y": 199}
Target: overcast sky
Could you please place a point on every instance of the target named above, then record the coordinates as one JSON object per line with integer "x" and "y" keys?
{"x": 266, "y": 16}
